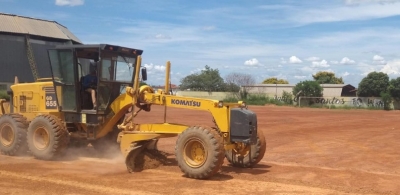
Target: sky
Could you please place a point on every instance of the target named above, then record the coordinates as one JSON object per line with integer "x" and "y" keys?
{"x": 286, "y": 39}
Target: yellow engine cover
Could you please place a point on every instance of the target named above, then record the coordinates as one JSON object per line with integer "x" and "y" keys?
{"x": 32, "y": 99}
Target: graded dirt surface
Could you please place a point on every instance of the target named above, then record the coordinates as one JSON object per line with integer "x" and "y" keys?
{"x": 309, "y": 151}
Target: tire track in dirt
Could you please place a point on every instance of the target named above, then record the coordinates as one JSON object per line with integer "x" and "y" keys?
{"x": 256, "y": 187}
{"x": 75, "y": 184}
{"x": 331, "y": 168}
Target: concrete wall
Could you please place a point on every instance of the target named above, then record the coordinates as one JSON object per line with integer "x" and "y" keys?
{"x": 203, "y": 94}
{"x": 270, "y": 89}
{"x": 356, "y": 102}
{"x": 278, "y": 89}
{"x": 337, "y": 101}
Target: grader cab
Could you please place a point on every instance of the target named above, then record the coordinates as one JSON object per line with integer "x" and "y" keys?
{"x": 46, "y": 116}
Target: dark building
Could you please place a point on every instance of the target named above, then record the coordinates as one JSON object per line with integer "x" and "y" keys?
{"x": 23, "y": 45}
{"x": 349, "y": 91}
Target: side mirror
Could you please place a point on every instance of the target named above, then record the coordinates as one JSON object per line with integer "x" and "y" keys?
{"x": 144, "y": 74}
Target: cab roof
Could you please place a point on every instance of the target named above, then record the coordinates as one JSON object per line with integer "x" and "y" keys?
{"x": 104, "y": 47}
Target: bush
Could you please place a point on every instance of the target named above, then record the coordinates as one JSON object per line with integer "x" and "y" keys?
{"x": 4, "y": 95}
{"x": 256, "y": 100}
{"x": 250, "y": 100}
{"x": 287, "y": 97}
{"x": 230, "y": 100}
{"x": 386, "y": 99}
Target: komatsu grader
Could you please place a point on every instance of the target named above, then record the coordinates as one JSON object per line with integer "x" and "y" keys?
{"x": 44, "y": 117}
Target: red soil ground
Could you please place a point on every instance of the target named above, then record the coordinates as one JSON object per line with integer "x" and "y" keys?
{"x": 309, "y": 151}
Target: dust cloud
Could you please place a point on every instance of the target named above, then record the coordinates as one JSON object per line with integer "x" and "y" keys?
{"x": 112, "y": 159}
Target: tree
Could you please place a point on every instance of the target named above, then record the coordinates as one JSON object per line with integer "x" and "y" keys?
{"x": 207, "y": 80}
{"x": 386, "y": 99}
{"x": 373, "y": 84}
{"x": 324, "y": 77}
{"x": 236, "y": 80}
{"x": 274, "y": 80}
{"x": 308, "y": 89}
{"x": 394, "y": 88}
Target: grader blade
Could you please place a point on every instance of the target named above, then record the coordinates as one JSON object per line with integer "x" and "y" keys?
{"x": 152, "y": 145}
{"x": 145, "y": 156}
{"x": 130, "y": 159}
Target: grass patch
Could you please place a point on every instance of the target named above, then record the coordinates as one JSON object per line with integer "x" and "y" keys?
{"x": 260, "y": 100}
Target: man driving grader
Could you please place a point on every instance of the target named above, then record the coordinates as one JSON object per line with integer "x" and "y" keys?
{"x": 47, "y": 115}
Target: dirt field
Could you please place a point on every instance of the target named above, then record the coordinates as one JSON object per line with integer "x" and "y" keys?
{"x": 309, "y": 151}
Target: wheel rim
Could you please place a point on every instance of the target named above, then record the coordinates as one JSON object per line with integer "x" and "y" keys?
{"x": 195, "y": 154}
{"x": 41, "y": 138}
{"x": 7, "y": 135}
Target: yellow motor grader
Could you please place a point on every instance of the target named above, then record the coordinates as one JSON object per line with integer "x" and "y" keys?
{"x": 46, "y": 116}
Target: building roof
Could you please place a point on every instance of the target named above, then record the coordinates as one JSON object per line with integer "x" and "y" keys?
{"x": 10, "y": 23}
{"x": 329, "y": 90}
{"x": 269, "y": 85}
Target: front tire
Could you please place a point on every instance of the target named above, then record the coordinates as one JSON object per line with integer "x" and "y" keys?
{"x": 200, "y": 152}
{"x": 13, "y": 134}
{"x": 47, "y": 137}
{"x": 240, "y": 157}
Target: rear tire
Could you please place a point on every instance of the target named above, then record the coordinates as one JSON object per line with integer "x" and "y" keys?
{"x": 257, "y": 153}
{"x": 47, "y": 137}
{"x": 200, "y": 152}
{"x": 13, "y": 134}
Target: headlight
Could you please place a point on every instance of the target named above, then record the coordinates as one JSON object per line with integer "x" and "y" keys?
{"x": 220, "y": 104}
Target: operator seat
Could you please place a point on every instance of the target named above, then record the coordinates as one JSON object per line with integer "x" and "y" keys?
{"x": 86, "y": 102}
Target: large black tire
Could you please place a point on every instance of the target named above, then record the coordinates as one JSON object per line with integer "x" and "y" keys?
{"x": 47, "y": 137}
{"x": 257, "y": 153}
{"x": 13, "y": 134}
{"x": 199, "y": 152}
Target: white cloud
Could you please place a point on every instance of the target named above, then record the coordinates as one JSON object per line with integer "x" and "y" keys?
{"x": 346, "y": 13}
{"x": 196, "y": 70}
{"x": 300, "y": 77}
{"x": 379, "y": 60}
{"x": 159, "y": 67}
{"x": 161, "y": 36}
{"x": 352, "y": 2}
{"x": 334, "y": 62}
{"x": 345, "y": 74}
{"x": 294, "y": 60}
{"x": 148, "y": 66}
{"x": 365, "y": 68}
{"x": 151, "y": 67}
{"x": 346, "y": 60}
{"x": 69, "y": 2}
{"x": 392, "y": 67}
{"x": 252, "y": 62}
{"x": 322, "y": 63}
{"x": 312, "y": 59}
